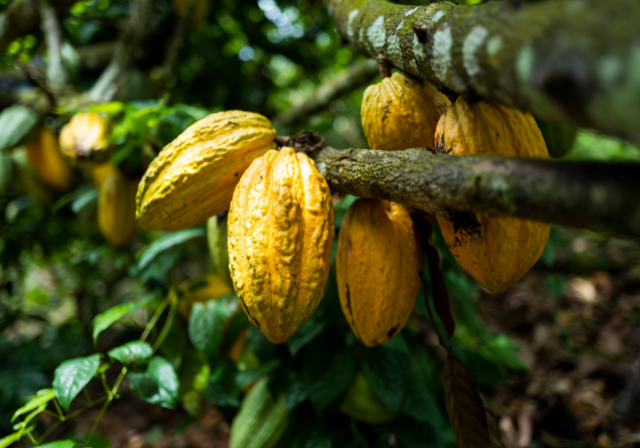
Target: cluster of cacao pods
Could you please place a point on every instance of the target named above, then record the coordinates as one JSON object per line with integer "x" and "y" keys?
{"x": 402, "y": 112}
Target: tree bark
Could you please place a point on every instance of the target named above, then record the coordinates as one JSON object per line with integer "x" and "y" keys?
{"x": 592, "y": 195}
{"x": 571, "y": 61}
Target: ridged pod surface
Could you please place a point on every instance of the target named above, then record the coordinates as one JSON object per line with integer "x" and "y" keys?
{"x": 378, "y": 269}
{"x": 84, "y": 141}
{"x": 280, "y": 238}
{"x": 496, "y": 251}
{"x": 117, "y": 209}
{"x": 194, "y": 176}
{"x": 47, "y": 161}
{"x": 401, "y": 112}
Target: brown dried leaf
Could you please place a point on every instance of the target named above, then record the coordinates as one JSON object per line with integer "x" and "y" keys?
{"x": 464, "y": 406}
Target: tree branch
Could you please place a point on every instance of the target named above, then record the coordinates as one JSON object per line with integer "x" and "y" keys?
{"x": 177, "y": 41}
{"x": 56, "y": 72}
{"x": 593, "y": 195}
{"x": 576, "y": 62}
{"x": 354, "y": 77}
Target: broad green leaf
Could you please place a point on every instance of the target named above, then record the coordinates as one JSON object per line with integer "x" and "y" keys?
{"x": 16, "y": 123}
{"x": 247, "y": 377}
{"x": 312, "y": 328}
{"x": 398, "y": 344}
{"x": 221, "y": 389}
{"x": 295, "y": 394}
{"x": 82, "y": 200}
{"x": 167, "y": 242}
{"x": 11, "y": 438}
{"x": 41, "y": 397}
{"x": 326, "y": 374}
{"x": 74, "y": 196}
{"x": 104, "y": 320}
{"x": 71, "y": 376}
{"x": 206, "y": 323}
{"x": 384, "y": 371}
{"x": 135, "y": 352}
{"x": 158, "y": 385}
{"x": 59, "y": 444}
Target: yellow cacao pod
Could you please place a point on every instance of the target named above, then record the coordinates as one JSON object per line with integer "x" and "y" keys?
{"x": 117, "y": 209}
{"x": 401, "y": 112}
{"x": 84, "y": 141}
{"x": 100, "y": 173}
{"x": 496, "y": 251}
{"x": 47, "y": 161}
{"x": 280, "y": 238}
{"x": 201, "y": 289}
{"x": 193, "y": 177}
{"x": 378, "y": 269}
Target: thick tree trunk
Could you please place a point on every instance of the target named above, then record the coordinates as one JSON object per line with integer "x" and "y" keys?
{"x": 573, "y": 61}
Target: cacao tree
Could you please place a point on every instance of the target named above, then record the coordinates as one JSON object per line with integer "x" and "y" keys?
{"x": 293, "y": 217}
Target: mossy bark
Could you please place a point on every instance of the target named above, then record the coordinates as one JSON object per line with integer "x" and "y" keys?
{"x": 572, "y": 61}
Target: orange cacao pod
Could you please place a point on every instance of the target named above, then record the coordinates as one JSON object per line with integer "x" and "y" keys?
{"x": 496, "y": 251}
{"x": 280, "y": 239}
{"x": 84, "y": 141}
{"x": 117, "y": 209}
{"x": 401, "y": 112}
{"x": 47, "y": 161}
{"x": 378, "y": 269}
{"x": 194, "y": 176}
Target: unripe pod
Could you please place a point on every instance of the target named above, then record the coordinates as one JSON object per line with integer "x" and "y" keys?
{"x": 47, "y": 161}
{"x": 201, "y": 289}
{"x": 280, "y": 238}
{"x": 378, "y": 267}
{"x": 194, "y": 176}
{"x": 84, "y": 141}
{"x": 117, "y": 209}
{"x": 496, "y": 251}
{"x": 100, "y": 173}
{"x": 401, "y": 112}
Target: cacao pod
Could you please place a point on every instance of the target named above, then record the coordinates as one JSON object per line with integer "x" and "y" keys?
{"x": 217, "y": 238}
{"x": 84, "y": 141}
{"x": 559, "y": 138}
{"x": 26, "y": 180}
{"x": 47, "y": 161}
{"x": 199, "y": 12}
{"x": 360, "y": 403}
{"x": 117, "y": 209}
{"x": 496, "y": 251}
{"x": 101, "y": 172}
{"x": 201, "y": 289}
{"x": 378, "y": 269}
{"x": 401, "y": 112}
{"x": 280, "y": 239}
{"x": 193, "y": 177}
{"x": 261, "y": 420}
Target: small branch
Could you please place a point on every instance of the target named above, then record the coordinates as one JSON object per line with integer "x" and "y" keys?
{"x": 541, "y": 56}
{"x": 177, "y": 41}
{"x": 383, "y": 66}
{"x": 592, "y": 195}
{"x": 56, "y": 73}
{"x": 354, "y": 77}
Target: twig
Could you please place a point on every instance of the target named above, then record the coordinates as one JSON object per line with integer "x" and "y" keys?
{"x": 177, "y": 41}
{"x": 353, "y": 78}
{"x": 56, "y": 73}
{"x": 167, "y": 325}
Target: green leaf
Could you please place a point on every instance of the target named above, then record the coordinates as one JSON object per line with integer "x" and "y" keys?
{"x": 398, "y": 344}
{"x": 11, "y": 438}
{"x": 418, "y": 404}
{"x": 167, "y": 242}
{"x": 327, "y": 374}
{"x": 41, "y": 397}
{"x": 312, "y": 328}
{"x": 83, "y": 199}
{"x": 158, "y": 385}
{"x": 22, "y": 426}
{"x": 71, "y": 376}
{"x": 247, "y": 377}
{"x": 384, "y": 371}
{"x": 295, "y": 394}
{"x": 59, "y": 444}
{"x": 104, "y": 320}
{"x": 206, "y": 323}
{"x": 135, "y": 352}
{"x": 221, "y": 389}
{"x": 17, "y": 123}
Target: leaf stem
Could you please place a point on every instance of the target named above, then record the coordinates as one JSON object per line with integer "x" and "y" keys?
{"x": 106, "y": 404}
{"x": 167, "y": 325}
{"x": 154, "y": 319}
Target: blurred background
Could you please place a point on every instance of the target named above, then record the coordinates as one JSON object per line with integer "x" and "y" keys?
{"x": 554, "y": 355}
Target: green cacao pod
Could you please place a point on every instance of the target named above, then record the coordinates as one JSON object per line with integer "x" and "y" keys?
{"x": 261, "y": 420}
{"x": 217, "y": 238}
{"x": 84, "y": 141}
{"x": 558, "y": 137}
{"x": 280, "y": 239}
{"x": 194, "y": 176}
{"x": 117, "y": 208}
{"x": 401, "y": 112}
{"x": 496, "y": 251}
{"x": 360, "y": 403}
{"x": 378, "y": 269}
{"x": 47, "y": 161}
